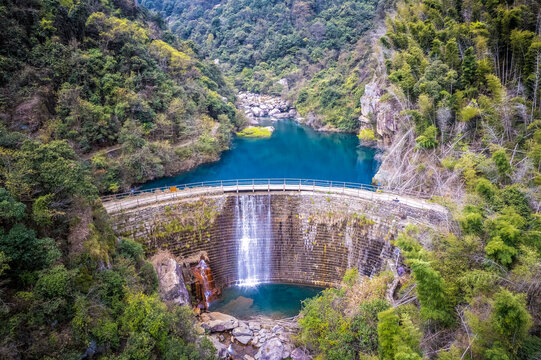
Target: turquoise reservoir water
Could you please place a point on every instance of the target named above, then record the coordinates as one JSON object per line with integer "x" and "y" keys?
{"x": 293, "y": 151}
{"x": 273, "y": 300}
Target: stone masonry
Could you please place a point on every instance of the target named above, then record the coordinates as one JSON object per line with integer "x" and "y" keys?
{"x": 315, "y": 237}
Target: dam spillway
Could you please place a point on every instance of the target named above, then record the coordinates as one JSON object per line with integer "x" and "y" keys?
{"x": 253, "y": 225}
{"x": 283, "y": 237}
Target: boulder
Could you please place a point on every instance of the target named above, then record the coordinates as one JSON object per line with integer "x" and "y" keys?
{"x": 242, "y": 330}
{"x": 171, "y": 281}
{"x": 274, "y": 111}
{"x": 300, "y": 354}
{"x": 242, "y": 334}
{"x": 270, "y": 350}
{"x": 217, "y": 322}
{"x": 277, "y": 328}
{"x": 256, "y": 111}
{"x": 281, "y": 115}
{"x": 244, "y": 340}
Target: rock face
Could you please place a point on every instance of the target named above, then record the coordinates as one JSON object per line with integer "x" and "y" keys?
{"x": 256, "y": 106}
{"x": 171, "y": 281}
{"x": 383, "y": 115}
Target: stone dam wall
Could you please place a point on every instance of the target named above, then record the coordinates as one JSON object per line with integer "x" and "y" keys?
{"x": 315, "y": 237}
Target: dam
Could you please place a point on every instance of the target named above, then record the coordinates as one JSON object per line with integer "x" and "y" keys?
{"x": 270, "y": 232}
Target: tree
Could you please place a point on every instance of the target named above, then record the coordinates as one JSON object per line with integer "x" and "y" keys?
{"x": 364, "y": 325}
{"x": 431, "y": 292}
{"x": 469, "y": 68}
{"x": 451, "y": 55}
{"x": 50, "y": 168}
{"x": 53, "y": 283}
{"x": 502, "y": 162}
{"x": 532, "y": 72}
{"x": 510, "y": 319}
{"x": 388, "y": 333}
{"x": 10, "y": 209}
{"x": 429, "y": 138}
{"x": 396, "y": 341}
{"x": 500, "y": 252}
{"x": 145, "y": 320}
{"x": 26, "y": 251}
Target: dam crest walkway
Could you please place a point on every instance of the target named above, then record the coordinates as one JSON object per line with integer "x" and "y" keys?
{"x": 142, "y": 198}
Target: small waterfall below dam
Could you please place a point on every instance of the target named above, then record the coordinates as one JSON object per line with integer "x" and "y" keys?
{"x": 253, "y": 223}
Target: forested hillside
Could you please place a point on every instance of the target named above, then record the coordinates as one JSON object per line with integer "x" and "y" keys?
{"x": 77, "y": 79}
{"x": 311, "y": 44}
{"x": 111, "y": 77}
{"x": 463, "y": 79}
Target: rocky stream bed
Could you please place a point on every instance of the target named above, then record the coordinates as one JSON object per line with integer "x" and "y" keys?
{"x": 258, "y": 338}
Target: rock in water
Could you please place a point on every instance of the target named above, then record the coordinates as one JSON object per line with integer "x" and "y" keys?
{"x": 171, "y": 281}
{"x": 271, "y": 350}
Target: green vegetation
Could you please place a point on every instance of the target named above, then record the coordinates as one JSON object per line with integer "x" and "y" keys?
{"x": 466, "y": 75}
{"x": 341, "y": 323}
{"x": 309, "y": 43}
{"x": 112, "y": 81}
{"x": 103, "y": 97}
{"x": 255, "y": 132}
{"x": 367, "y": 135}
{"x": 96, "y": 96}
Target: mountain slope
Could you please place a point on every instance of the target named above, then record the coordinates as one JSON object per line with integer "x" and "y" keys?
{"x": 103, "y": 81}
{"x": 98, "y": 79}
{"x": 311, "y": 44}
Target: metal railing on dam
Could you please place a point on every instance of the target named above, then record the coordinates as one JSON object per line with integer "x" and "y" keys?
{"x": 118, "y": 202}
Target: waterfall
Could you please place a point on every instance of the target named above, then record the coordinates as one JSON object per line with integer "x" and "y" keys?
{"x": 205, "y": 283}
{"x": 254, "y": 237}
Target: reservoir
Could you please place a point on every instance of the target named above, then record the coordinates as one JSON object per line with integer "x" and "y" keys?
{"x": 293, "y": 151}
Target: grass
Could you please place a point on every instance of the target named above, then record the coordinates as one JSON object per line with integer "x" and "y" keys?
{"x": 256, "y": 132}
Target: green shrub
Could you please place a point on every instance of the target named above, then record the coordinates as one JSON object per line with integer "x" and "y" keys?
{"x": 398, "y": 338}
{"x": 25, "y": 251}
{"x": 149, "y": 278}
{"x": 255, "y": 132}
{"x": 130, "y": 249}
{"x": 53, "y": 283}
{"x": 471, "y": 220}
{"x": 364, "y": 325}
{"x": 431, "y": 292}
{"x": 511, "y": 318}
{"x": 428, "y": 140}
{"x": 502, "y": 162}
{"x": 486, "y": 189}
{"x": 366, "y": 135}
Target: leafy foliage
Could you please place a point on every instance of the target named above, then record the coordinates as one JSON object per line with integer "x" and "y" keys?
{"x": 261, "y": 42}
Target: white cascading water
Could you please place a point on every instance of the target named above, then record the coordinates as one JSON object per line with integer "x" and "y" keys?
{"x": 254, "y": 234}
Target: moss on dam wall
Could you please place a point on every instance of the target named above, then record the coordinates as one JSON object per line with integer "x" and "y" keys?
{"x": 314, "y": 237}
